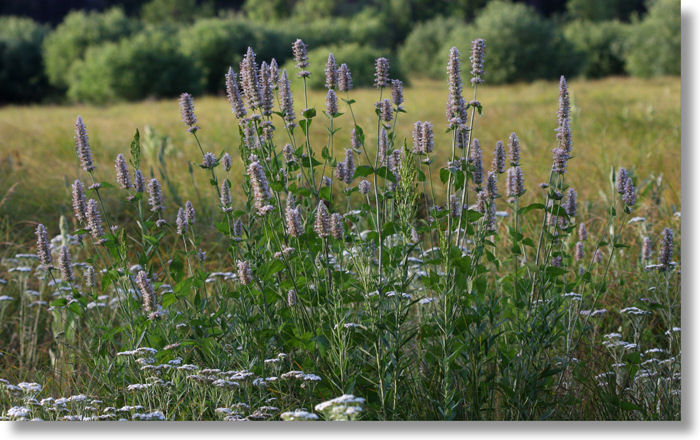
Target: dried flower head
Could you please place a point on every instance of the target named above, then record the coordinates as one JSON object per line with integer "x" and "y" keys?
{"x": 233, "y": 93}
{"x": 646, "y": 248}
{"x": 381, "y": 72}
{"x": 286, "y": 101}
{"x": 64, "y": 264}
{"x": 245, "y": 274}
{"x": 155, "y": 200}
{"x": 499, "y": 158}
{"x": 331, "y": 103}
{"x": 94, "y": 220}
{"x": 187, "y": 110}
{"x": 514, "y": 150}
{"x": 344, "y": 78}
{"x": 122, "y": 172}
{"x": 82, "y": 146}
{"x": 477, "y": 60}
{"x": 322, "y": 224}
{"x": 78, "y": 193}
{"x": 666, "y": 252}
{"x": 42, "y": 246}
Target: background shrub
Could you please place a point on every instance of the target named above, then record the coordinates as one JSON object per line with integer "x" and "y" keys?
{"x": 654, "y": 43}
{"x": 422, "y": 45}
{"x": 521, "y": 45}
{"x": 78, "y": 31}
{"x": 600, "y": 44}
{"x": 21, "y": 67}
{"x": 360, "y": 60}
{"x": 118, "y": 71}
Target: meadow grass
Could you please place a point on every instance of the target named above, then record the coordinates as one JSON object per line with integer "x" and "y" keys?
{"x": 272, "y": 301}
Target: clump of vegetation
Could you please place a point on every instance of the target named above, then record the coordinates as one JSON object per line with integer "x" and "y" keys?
{"x": 21, "y": 70}
{"x": 653, "y": 45}
{"x": 348, "y": 284}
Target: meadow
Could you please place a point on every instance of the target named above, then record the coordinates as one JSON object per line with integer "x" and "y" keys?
{"x": 290, "y": 288}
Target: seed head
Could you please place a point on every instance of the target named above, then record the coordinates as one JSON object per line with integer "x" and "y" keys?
{"x": 344, "y": 78}
{"x": 477, "y": 60}
{"x": 139, "y": 184}
{"x": 397, "y": 92}
{"x": 78, "y": 192}
{"x": 514, "y": 150}
{"x": 245, "y": 275}
{"x": 477, "y": 164}
{"x": 337, "y": 226}
{"x": 292, "y": 298}
{"x": 299, "y": 50}
{"x": 286, "y": 101}
{"x": 364, "y": 187}
{"x": 122, "y": 172}
{"x": 155, "y": 199}
{"x": 322, "y": 224}
{"x": 570, "y": 206}
{"x": 646, "y": 249}
{"x": 331, "y": 73}
{"x": 94, "y": 220}
{"x": 187, "y": 111}
{"x": 82, "y": 145}
{"x": 666, "y": 253}
{"x": 331, "y": 103}
{"x": 225, "y": 196}
{"x": 42, "y": 246}
{"x": 233, "y": 93}
{"x": 578, "y": 252}
{"x": 381, "y": 72}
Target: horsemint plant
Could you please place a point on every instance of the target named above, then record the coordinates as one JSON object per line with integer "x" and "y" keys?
{"x": 358, "y": 267}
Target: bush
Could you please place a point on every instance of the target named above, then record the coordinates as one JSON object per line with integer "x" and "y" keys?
{"x": 601, "y": 45}
{"x": 148, "y": 64}
{"x": 360, "y": 60}
{"x": 653, "y": 45}
{"x": 175, "y": 11}
{"x": 77, "y": 32}
{"x": 422, "y": 45}
{"x": 521, "y": 45}
{"x": 21, "y": 67}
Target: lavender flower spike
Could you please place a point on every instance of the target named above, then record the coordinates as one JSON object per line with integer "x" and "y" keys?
{"x": 385, "y": 110}
{"x": 418, "y": 138}
{"x": 42, "y": 246}
{"x": 64, "y": 264}
{"x": 499, "y": 158}
{"x": 630, "y": 194}
{"x": 154, "y": 196}
{"x": 344, "y": 78}
{"x": 571, "y": 206}
{"x": 455, "y": 102}
{"x": 250, "y": 80}
{"x": 331, "y": 103}
{"x": 187, "y": 111}
{"x": 181, "y": 221}
{"x": 621, "y": 180}
{"x": 381, "y": 73}
{"x": 646, "y": 249}
{"x": 286, "y": 100}
{"x": 79, "y": 200}
{"x": 397, "y": 93}
{"x": 261, "y": 187}
{"x": 94, "y": 220}
{"x": 337, "y": 226}
{"x": 122, "y": 172}
{"x": 233, "y": 93}
{"x": 514, "y": 150}
{"x": 428, "y": 143}
{"x": 82, "y": 145}
{"x": 666, "y": 253}
{"x": 148, "y": 295}
{"x": 293, "y": 219}
{"x": 245, "y": 274}
{"x": 475, "y": 159}
{"x": 139, "y": 183}
{"x": 302, "y": 60}
{"x": 331, "y": 73}
{"x": 322, "y": 224}
{"x": 477, "y": 59}
{"x": 225, "y": 196}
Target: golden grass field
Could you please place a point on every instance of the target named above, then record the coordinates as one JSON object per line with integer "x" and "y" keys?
{"x": 616, "y": 122}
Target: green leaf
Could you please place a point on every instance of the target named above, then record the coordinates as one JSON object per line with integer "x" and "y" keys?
{"x": 325, "y": 193}
{"x": 363, "y": 171}
{"x": 309, "y": 113}
{"x": 530, "y": 207}
{"x": 444, "y": 175}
